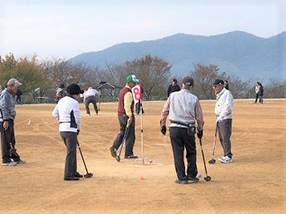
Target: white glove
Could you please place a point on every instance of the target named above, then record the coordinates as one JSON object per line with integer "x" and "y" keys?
{"x": 219, "y": 119}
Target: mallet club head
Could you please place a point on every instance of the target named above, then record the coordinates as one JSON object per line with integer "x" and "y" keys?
{"x": 208, "y": 178}
{"x": 212, "y": 161}
{"x": 118, "y": 158}
{"x": 88, "y": 175}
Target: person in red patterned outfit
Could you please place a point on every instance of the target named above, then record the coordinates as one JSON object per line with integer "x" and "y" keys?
{"x": 126, "y": 116}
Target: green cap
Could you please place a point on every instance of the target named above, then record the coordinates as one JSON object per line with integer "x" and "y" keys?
{"x": 132, "y": 78}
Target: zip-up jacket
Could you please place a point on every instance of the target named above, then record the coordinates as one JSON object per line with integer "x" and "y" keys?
{"x": 68, "y": 114}
{"x": 7, "y": 105}
{"x": 224, "y": 104}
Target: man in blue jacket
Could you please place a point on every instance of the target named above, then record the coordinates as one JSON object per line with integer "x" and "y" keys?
{"x": 7, "y": 115}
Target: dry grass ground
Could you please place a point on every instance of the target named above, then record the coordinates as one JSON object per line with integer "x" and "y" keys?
{"x": 254, "y": 183}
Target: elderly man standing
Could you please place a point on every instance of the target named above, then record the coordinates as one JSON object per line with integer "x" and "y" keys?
{"x": 126, "y": 116}
{"x": 7, "y": 116}
{"x": 184, "y": 110}
{"x": 223, "y": 111}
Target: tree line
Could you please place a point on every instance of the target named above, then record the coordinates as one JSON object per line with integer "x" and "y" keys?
{"x": 41, "y": 78}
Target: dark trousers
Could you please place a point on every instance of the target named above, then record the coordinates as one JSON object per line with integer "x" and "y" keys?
{"x": 256, "y": 98}
{"x": 224, "y": 131}
{"x": 88, "y": 100}
{"x": 130, "y": 140}
{"x": 8, "y": 141}
{"x": 70, "y": 140}
{"x": 181, "y": 140}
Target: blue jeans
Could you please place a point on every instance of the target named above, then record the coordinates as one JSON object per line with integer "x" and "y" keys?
{"x": 260, "y": 97}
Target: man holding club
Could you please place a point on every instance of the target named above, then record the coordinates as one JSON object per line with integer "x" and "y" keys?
{"x": 68, "y": 114}
{"x": 223, "y": 111}
{"x": 183, "y": 109}
{"x": 126, "y": 116}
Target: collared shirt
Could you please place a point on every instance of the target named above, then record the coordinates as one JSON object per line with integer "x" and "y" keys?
{"x": 224, "y": 104}
{"x": 184, "y": 107}
{"x": 63, "y": 112}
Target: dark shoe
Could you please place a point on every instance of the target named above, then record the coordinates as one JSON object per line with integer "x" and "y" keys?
{"x": 73, "y": 178}
{"x": 10, "y": 163}
{"x": 113, "y": 152}
{"x": 131, "y": 157}
{"x": 78, "y": 175}
{"x": 178, "y": 181}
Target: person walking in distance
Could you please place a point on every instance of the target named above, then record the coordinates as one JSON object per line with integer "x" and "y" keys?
{"x": 68, "y": 114}
{"x": 260, "y": 93}
{"x": 60, "y": 93}
{"x": 18, "y": 96}
{"x": 184, "y": 111}
{"x": 7, "y": 116}
{"x": 223, "y": 111}
{"x": 126, "y": 118}
{"x": 90, "y": 97}
{"x": 257, "y": 89}
{"x": 173, "y": 87}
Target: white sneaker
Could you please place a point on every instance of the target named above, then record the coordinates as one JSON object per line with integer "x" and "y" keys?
{"x": 222, "y": 158}
{"x": 11, "y": 163}
{"x": 227, "y": 159}
{"x": 198, "y": 175}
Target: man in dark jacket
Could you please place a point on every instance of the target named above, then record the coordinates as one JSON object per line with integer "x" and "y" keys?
{"x": 7, "y": 115}
{"x": 173, "y": 87}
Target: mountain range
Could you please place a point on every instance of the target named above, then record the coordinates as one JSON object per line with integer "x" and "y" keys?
{"x": 238, "y": 54}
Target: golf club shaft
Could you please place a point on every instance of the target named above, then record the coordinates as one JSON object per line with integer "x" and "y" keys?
{"x": 123, "y": 140}
{"x": 214, "y": 142}
{"x": 82, "y": 158}
{"x": 203, "y": 157}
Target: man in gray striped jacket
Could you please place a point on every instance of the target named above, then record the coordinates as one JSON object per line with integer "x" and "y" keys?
{"x": 184, "y": 111}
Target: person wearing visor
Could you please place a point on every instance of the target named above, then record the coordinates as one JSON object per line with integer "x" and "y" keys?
{"x": 126, "y": 118}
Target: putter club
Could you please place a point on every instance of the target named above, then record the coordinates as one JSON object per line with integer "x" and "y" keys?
{"x": 121, "y": 146}
{"x": 212, "y": 161}
{"x": 207, "y": 178}
{"x": 88, "y": 174}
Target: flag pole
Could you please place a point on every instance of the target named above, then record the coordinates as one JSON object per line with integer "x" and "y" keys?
{"x": 142, "y": 142}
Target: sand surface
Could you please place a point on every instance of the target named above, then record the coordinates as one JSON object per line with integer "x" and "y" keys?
{"x": 254, "y": 183}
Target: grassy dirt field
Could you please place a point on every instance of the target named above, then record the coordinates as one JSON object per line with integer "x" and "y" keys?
{"x": 254, "y": 183}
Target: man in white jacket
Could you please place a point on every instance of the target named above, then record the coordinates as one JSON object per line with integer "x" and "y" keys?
{"x": 223, "y": 111}
{"x": 90, "y": 97}
{"x": 68, "y": 114}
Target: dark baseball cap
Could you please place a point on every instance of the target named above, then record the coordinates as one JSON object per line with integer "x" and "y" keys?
{"x": 188, "y": 80}
{"x": 73, "y": 89}
{"x": 218, "y": 82}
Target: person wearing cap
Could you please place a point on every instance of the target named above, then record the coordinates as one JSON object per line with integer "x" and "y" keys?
{"x": 223, "y": 111}
{"x": 7, "y": 116}
{"x": 126, "y": 119}
{"x": 68, "y": 114}
{"x": 173, "y": 87}
{"x": 90, "y": 97}
{"x": 184, "y": 111}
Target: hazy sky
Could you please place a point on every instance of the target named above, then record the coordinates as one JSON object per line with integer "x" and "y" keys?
{"x": 66, "y": 28}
